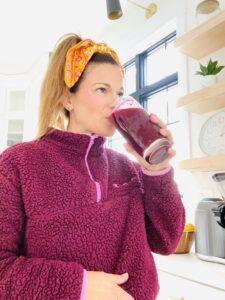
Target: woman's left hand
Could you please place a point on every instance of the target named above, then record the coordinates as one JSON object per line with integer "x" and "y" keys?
{"x": 166, "y": 133}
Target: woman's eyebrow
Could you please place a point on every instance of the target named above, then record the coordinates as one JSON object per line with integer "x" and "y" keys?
{"x": 108, "y": 85}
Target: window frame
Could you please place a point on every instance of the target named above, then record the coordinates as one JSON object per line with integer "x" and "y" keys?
{"x": 143, "y": 91}
{"x": 14, "y": 115}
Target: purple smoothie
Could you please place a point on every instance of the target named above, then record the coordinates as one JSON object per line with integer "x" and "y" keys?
{"x": 144, "y": 136}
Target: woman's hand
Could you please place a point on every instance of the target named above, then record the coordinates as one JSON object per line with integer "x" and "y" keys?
{"x": 164, "y": 164}
{"x": 102, "y": 286}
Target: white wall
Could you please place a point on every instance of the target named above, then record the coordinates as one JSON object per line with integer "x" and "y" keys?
{"x": 25, "y": 78}
{"x": 33, "y": 90}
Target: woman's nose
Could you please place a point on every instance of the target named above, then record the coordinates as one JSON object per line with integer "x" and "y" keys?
{"x": 115, "y": 101}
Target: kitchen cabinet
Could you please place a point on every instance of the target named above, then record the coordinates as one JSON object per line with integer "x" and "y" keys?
{"x": 185, "y": 277}
{"x": 197, "y": 43}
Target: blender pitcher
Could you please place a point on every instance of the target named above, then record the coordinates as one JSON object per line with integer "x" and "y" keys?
{"x": 219, "y": 179}
{"x": 210, "y": 225}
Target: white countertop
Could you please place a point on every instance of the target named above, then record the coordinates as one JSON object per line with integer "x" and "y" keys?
{"x": 190, "y": 267}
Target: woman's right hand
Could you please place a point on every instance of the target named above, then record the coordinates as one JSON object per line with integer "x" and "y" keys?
{"x": 102, "y": 286}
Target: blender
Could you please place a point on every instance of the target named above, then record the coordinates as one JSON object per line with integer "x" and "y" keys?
{"x": 210, "y": 225}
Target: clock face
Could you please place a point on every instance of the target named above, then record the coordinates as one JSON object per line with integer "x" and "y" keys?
{"x": 212, "y": 135}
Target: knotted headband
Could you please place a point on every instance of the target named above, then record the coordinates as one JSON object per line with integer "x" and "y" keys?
{"x": 79, "y": 55}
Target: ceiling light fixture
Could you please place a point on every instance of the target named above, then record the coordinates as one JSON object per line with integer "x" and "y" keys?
{"x": 207, "y": 6}
{"x": 206, "y": 9}
{"x": 150, "y": 10}
{"x": 114, "y": 10}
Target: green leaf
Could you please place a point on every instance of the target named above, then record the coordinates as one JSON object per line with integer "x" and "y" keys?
{"x": 203, "y": 69}
{"x": 212, "y": 67}
{"x": 216, "y": 71}
{"x": 199, "y": 73}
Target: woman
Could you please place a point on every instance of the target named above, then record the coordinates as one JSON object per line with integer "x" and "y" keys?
{"x": 78, "y": 220}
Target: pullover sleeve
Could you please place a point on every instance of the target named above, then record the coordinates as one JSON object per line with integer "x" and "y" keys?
{"x": 22, "y": 277}
{"x": 164, "y": 211}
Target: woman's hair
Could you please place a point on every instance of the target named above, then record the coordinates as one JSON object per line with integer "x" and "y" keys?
{"x": 51, "y": 110}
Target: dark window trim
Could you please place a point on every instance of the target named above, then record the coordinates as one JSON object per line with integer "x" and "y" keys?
{"x": 150, "y": 49}
{"x": 156, "y": 87}
{"x": 163, "y": 41}
{"x": 143, "y": 91}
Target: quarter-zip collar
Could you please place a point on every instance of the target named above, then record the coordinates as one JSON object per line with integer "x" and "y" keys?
{"x": 86, "y": 145}
{"x": 77, "y": 142}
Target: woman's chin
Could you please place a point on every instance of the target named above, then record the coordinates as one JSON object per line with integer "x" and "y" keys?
{"x": 108, "y": 132}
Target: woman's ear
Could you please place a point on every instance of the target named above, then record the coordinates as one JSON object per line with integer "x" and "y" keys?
{"x": 67, "y": 103}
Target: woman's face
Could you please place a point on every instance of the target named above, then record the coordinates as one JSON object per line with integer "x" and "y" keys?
{"x": 93, "y": 102}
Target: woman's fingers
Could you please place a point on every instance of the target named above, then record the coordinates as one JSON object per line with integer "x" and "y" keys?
{"x": 155, "y": 119}
{"x": 122, "y": 294}
{"x": 167, "y": 133}
{"x": 101, "y": 286}
{"x": 171, "y": 152}
{"x": 163, "y": 129}
{"x": 118, "y": 279}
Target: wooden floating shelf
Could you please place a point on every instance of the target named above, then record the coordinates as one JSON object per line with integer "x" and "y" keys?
{"x": 204, "y": 164}
{"x": 204, "y": 100}
{"x": 204, "y": 39}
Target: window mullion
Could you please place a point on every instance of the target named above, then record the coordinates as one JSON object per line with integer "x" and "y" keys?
{"x": 140, "y": 75}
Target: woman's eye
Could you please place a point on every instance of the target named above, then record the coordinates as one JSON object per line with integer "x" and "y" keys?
{"x": 120, "y": 94}
{"x": 101, "y": 90}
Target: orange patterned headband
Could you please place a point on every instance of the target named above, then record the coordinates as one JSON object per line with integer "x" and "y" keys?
{"x": 79, "y": 55}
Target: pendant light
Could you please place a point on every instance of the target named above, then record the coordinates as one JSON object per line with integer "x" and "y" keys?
{"x": 114, "y": 10}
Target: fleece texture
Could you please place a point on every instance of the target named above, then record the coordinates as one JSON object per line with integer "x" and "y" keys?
{"x": 52, "y": 226}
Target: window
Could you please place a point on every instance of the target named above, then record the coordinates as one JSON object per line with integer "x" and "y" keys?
{"x": 161, "y": 61}
{"x": 151, "y": 77}
{"x": 163, "y": 103}
{"x": 15, "y": 132}
{"x": 15, "y": 116}
{"x": 17, "y": 101}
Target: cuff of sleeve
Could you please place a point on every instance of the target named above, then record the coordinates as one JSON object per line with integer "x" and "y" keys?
{"x": 84, "y": 286}
{"x": 156, "y": 173}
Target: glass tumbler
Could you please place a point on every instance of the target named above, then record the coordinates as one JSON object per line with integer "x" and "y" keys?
{"x": 133, "y": 122}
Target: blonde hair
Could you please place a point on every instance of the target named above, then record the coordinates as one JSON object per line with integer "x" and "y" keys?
{"x": 51, "y": 110}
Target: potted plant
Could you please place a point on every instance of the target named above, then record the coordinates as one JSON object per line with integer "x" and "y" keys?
{"x": 209, "y": 72}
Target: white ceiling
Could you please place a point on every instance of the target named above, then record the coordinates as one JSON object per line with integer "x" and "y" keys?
{"x": 30, "y": 28}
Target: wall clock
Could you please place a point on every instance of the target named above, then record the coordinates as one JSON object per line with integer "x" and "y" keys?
{"x": 212, "y": 135}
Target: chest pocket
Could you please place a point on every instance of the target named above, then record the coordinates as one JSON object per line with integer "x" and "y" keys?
{"x": 127, "y": 188}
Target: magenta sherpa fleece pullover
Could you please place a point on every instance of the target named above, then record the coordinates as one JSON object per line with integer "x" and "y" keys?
{"x": 67, "y": 203}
